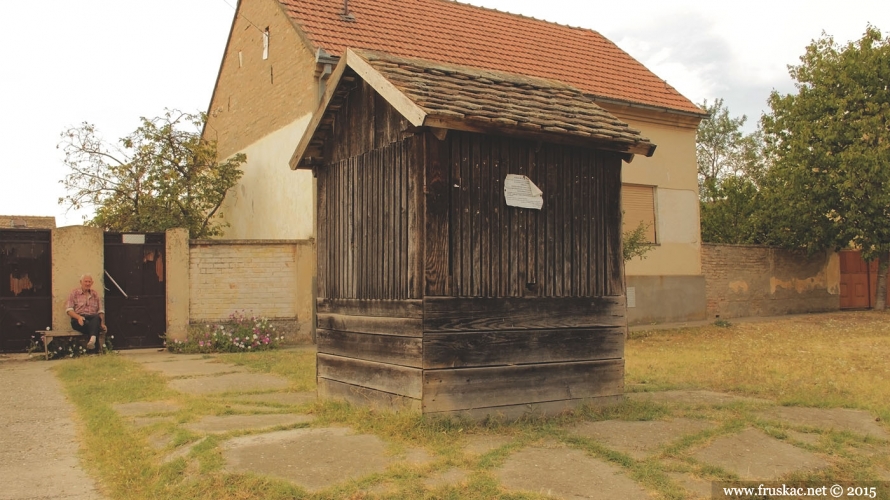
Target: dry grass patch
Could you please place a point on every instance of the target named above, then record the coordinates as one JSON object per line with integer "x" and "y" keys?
{"x": 827, "y": 360}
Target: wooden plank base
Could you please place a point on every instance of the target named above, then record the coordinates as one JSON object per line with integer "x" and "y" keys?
{"x": 469, "y": 388}
{"x": 514, "y": 412}
{"x": 363, "y": 396}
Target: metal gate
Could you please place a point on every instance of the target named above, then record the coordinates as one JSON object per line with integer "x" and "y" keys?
{"x": 859, "y": 281}
{"x": 25, "y": 286}
{"x": 135, "y": 289}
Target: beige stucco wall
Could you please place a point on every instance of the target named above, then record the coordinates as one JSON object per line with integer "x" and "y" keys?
{"x": 272, "y": 201}
{"x": 177, "y": 251}
{"x": 674, "y": 173}
{"x": 77, "y": 250}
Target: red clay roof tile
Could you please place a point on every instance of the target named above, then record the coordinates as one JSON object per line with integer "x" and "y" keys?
{"x": 456, "y": 33}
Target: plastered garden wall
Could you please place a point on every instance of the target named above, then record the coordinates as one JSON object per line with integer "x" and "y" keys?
{"x": 743, "y": 280}
{"x": 270, "y": 278}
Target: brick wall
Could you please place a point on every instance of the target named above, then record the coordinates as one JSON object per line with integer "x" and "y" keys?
{"x": 744, "y": 280}
{"x": 254, "y": 96}
{"x": 261, "y": 277}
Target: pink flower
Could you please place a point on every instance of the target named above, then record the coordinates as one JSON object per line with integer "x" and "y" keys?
{"x": 201, "y": 343}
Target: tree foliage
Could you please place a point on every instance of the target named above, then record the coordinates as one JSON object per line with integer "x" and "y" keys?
{"x": 731, "y": 168}
{"x": 829, "y": 185}
{"x": 163, "y": 175}
{"x": 724, "y": 150}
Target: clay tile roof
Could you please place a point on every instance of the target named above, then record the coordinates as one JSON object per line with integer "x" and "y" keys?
{"x": 456, "y": 33}
{"x": 503, "y": 100}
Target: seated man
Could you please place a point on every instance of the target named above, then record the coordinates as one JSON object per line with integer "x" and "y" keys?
{"x": 84, "y": 307}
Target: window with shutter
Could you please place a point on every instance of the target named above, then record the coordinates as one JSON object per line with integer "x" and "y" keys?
{"x": 638, "y": 204}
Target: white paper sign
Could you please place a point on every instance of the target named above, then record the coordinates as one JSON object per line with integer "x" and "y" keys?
{"x": 520, "y": 191}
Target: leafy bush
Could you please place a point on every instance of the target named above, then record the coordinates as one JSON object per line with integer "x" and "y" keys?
{"x": 239, "y": 334}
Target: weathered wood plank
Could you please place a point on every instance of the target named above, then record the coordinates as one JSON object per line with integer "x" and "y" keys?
{"x": 451, "y": 314}
{"x": 455, "y": 221}
{"x": 363, "y": 396}
{"x": 436, "y": 218}
{"x": 469, "y": 388}
{"x": 475, "y": 209}
{"x": 417, "y": 174}
{"x": 492, "y": 348}
{"x": 321, "y": 251}
{"x": 405, "y": 327}
{"x": 513, "y": 412}
{"x": 463, "y": 239}
{"x": 389, "y": 349}
{"x": 613, "y": 218}
{"x": 362, "y": 307}
{"x": 483, "y": 162}
{"x": 400, "y": 380}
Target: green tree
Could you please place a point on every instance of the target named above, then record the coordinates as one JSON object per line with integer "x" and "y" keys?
{"x": 730, "y": 170}
{"x": 732, "y": 213}
{"x": 161, "y": 176}
{"x": 830, "y": 180}
{"x": 723, "y": 150}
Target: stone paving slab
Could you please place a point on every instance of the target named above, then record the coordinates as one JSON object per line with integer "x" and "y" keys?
{"x": 227, "y": 423}
{"x": 755, "y": 456}
{"x": 156, "y": 356}
{"x": 692, "y": 398}
{"x": 188, "y": 368}
{"x": 311, "y": 458}
{"x": 567, "y": 473}
{"x": 480, "y": 445}
{"x": 447, "y": 478}
{"x": 639, "y": 439}
{"x": 281, "y": 398}
{"x": 228, "y": 383}
{"x": 145, "y": 408}
{"x": 147, "y": 421}
{"x": 839, "y": 419}
{"x": 696, "y": 487}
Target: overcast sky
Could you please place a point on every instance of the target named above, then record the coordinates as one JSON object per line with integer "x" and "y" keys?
{"x": 110, "y": 62}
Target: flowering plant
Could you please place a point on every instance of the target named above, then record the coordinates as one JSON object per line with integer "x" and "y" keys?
{"x": 65, "y": 347}
{"x": 239, "y": 333}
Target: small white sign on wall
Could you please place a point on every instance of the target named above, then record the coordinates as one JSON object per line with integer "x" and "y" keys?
{"x": 520, "y": 191}
{"x": 133, "y": 239}
{"x": 631, "y": 297}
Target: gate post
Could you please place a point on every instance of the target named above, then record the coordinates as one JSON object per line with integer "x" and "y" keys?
{"x": 177, "y": 283}
{"x": 76, "y": 250}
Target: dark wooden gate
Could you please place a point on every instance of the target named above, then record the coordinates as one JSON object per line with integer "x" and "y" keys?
{"x": 135, "y": 289}
{"x": 25, "y": 286}
{"x": 859, "y": 281}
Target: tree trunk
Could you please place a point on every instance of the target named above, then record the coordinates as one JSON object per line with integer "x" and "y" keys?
{"x": 881, "y": 295}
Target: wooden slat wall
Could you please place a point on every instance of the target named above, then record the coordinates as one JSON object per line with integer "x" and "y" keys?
{"x": 571, "y": 248}
{"x": 522, "y": 308}
{"x": 369, "y": 256}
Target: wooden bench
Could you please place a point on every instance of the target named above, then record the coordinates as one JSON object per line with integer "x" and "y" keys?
{"x": 48, "y": 336}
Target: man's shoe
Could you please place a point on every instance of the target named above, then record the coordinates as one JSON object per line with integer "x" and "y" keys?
{"x": 92, "y": 343}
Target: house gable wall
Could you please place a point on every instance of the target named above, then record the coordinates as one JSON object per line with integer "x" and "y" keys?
{"x": 261, "y": 108}
{"x": 254, "y": 96}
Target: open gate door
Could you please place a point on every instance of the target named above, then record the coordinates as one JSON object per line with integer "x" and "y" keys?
{"x": 25, "y": 286}
{"x": 135, "y": 289}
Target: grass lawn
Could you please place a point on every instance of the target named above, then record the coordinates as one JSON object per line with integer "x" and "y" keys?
{"x": 830, "y": 360}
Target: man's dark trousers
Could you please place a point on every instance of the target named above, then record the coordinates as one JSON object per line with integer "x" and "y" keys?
{"x": 91, "y": 326}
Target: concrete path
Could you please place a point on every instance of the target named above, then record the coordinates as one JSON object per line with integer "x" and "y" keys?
{"x": 264, "y": 431}
{"x": 38, "y": 449}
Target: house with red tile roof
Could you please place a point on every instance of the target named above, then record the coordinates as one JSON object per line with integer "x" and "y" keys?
{"x": 275, "y": 97}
